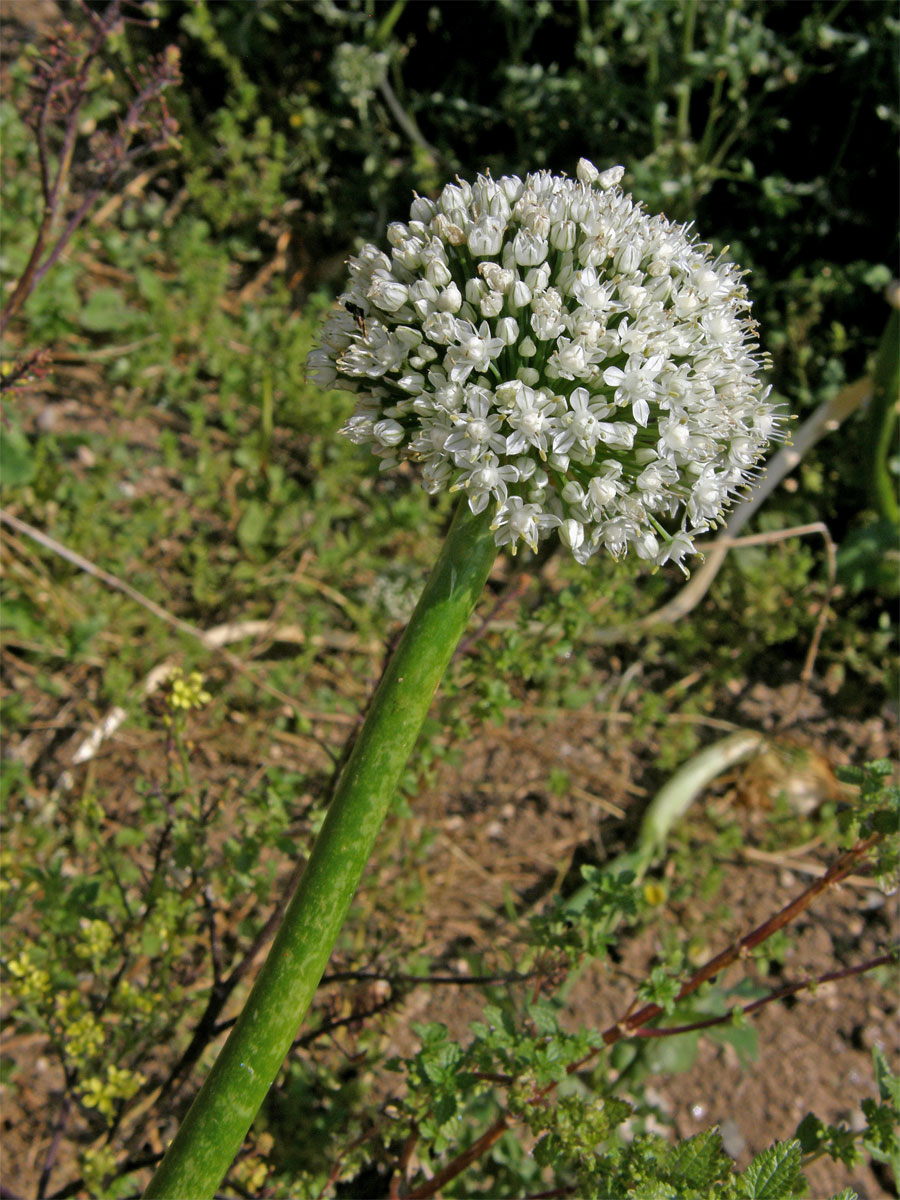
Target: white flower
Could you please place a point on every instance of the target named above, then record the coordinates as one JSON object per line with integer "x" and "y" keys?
{"x": 477, "y": 431}
{"x": 570, "y": 358}
{"x": 530, "y": 417}
{"x": 508, "y": 329}
{"x": 546, "y": 314}
{"x": 580, "y": 426}
{"x": 497, "y": 278}
{"x": 572, "y": 533}
{"x": 563, "y": 235}
{"x": 473, "y": 351}
{"x": 559, "y": 356}
{"x": 386, "y": 292}
{"x": 450, "y": 299}
{"x": 610, "y": 177}
{"x": 636, "y": 385}
{"x": 486, "y": 238}
{"x": 529, "y": 250}
{"x": 388, "y": 433}
{"x": 491, "y": 305}
{"x": 485, "y": 480}
{"x": 586, "y": 171}
{"x": 517, "y": 521}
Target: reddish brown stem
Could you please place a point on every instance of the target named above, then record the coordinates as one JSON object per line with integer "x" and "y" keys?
{"x": 400, "y": 1173}
{"x": 67, "y": 92}
{"x": 459, "y": 1164}
{"x": 62, "y": 1118}
{"x": 118, "y": 158}
{"x": 790, "y": 989}
{"x": 628, "y": 1026}
{"x": 455, "y": 980}
{"x": 836, "y": 872}
{"x": 53, "y": 190}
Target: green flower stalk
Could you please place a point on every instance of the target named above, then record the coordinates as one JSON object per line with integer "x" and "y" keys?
{"x": 570, "y": 365}
{"x": 223, "y": 1111}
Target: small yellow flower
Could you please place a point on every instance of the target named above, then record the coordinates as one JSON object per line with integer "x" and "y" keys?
{"x": 31, "y": 981}
{"x": 90, "y": 809}
{"x": 7, "y": 870}
{"x": 97, "y": 939}
{"x": 68, "y": 1006}
{"x": 120, "y": 1084}
{"x": 93, "y": 1095}
{"x": 654, "y": 893}
{"x": 125, "y": 1082}
{"x": 131, "y": 999}
{"x": 97, "y": 1162}
{"x": 188, "y": 692}
{"x": 251, "y": 1172}
{"x": 85, "y": 1037}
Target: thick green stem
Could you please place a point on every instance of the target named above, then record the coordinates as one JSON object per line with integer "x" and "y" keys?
{"x": 215, "y": 1126}
{"x": 883, "y": 421}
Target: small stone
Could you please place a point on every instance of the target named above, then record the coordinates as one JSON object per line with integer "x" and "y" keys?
{"x": 732, "y": 1138}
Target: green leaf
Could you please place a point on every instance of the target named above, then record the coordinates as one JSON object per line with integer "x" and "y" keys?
{"x": 671, "y": 1055}
{"x": 545, "y": 1150}
{"x": 150, "y": 285}
{"x": 501, "y": 1024}
{"x": 773, "y": 1173}
{"x": 83, "y": 632}
{"x": 744, "y": 1040}
{"x": 881, "y": 1139}
{"x": 815, "y": 1137}
{"x": 544, "y": 1017}
{"x": 19, "y": 617}
{"x": 867, "y": 558}
{"x": 252, "y": 525}
{"x": 700, "y": 1161}
{"x": 105, "y": 311}
{"x": 810, "y": 1133}
{"x": 660, "y": 988}
{"x": 16, "y": 458}
{"x": 438, "y": 1066}
{"x": 445, "y": 1107}
{"x": 888, "y": 1082}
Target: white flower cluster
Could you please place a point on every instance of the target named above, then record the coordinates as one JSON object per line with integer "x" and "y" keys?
{"x": 560, "y": 355}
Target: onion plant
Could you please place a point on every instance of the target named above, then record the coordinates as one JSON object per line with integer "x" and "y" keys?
{"x": 570, "y": 366}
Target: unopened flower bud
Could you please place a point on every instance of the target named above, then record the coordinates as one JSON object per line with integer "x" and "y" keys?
{"x": 508, "y": 329}
{"x": 611, "y": 177}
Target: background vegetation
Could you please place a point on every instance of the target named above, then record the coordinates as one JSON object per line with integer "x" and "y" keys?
{"x": 158, "y": 424}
